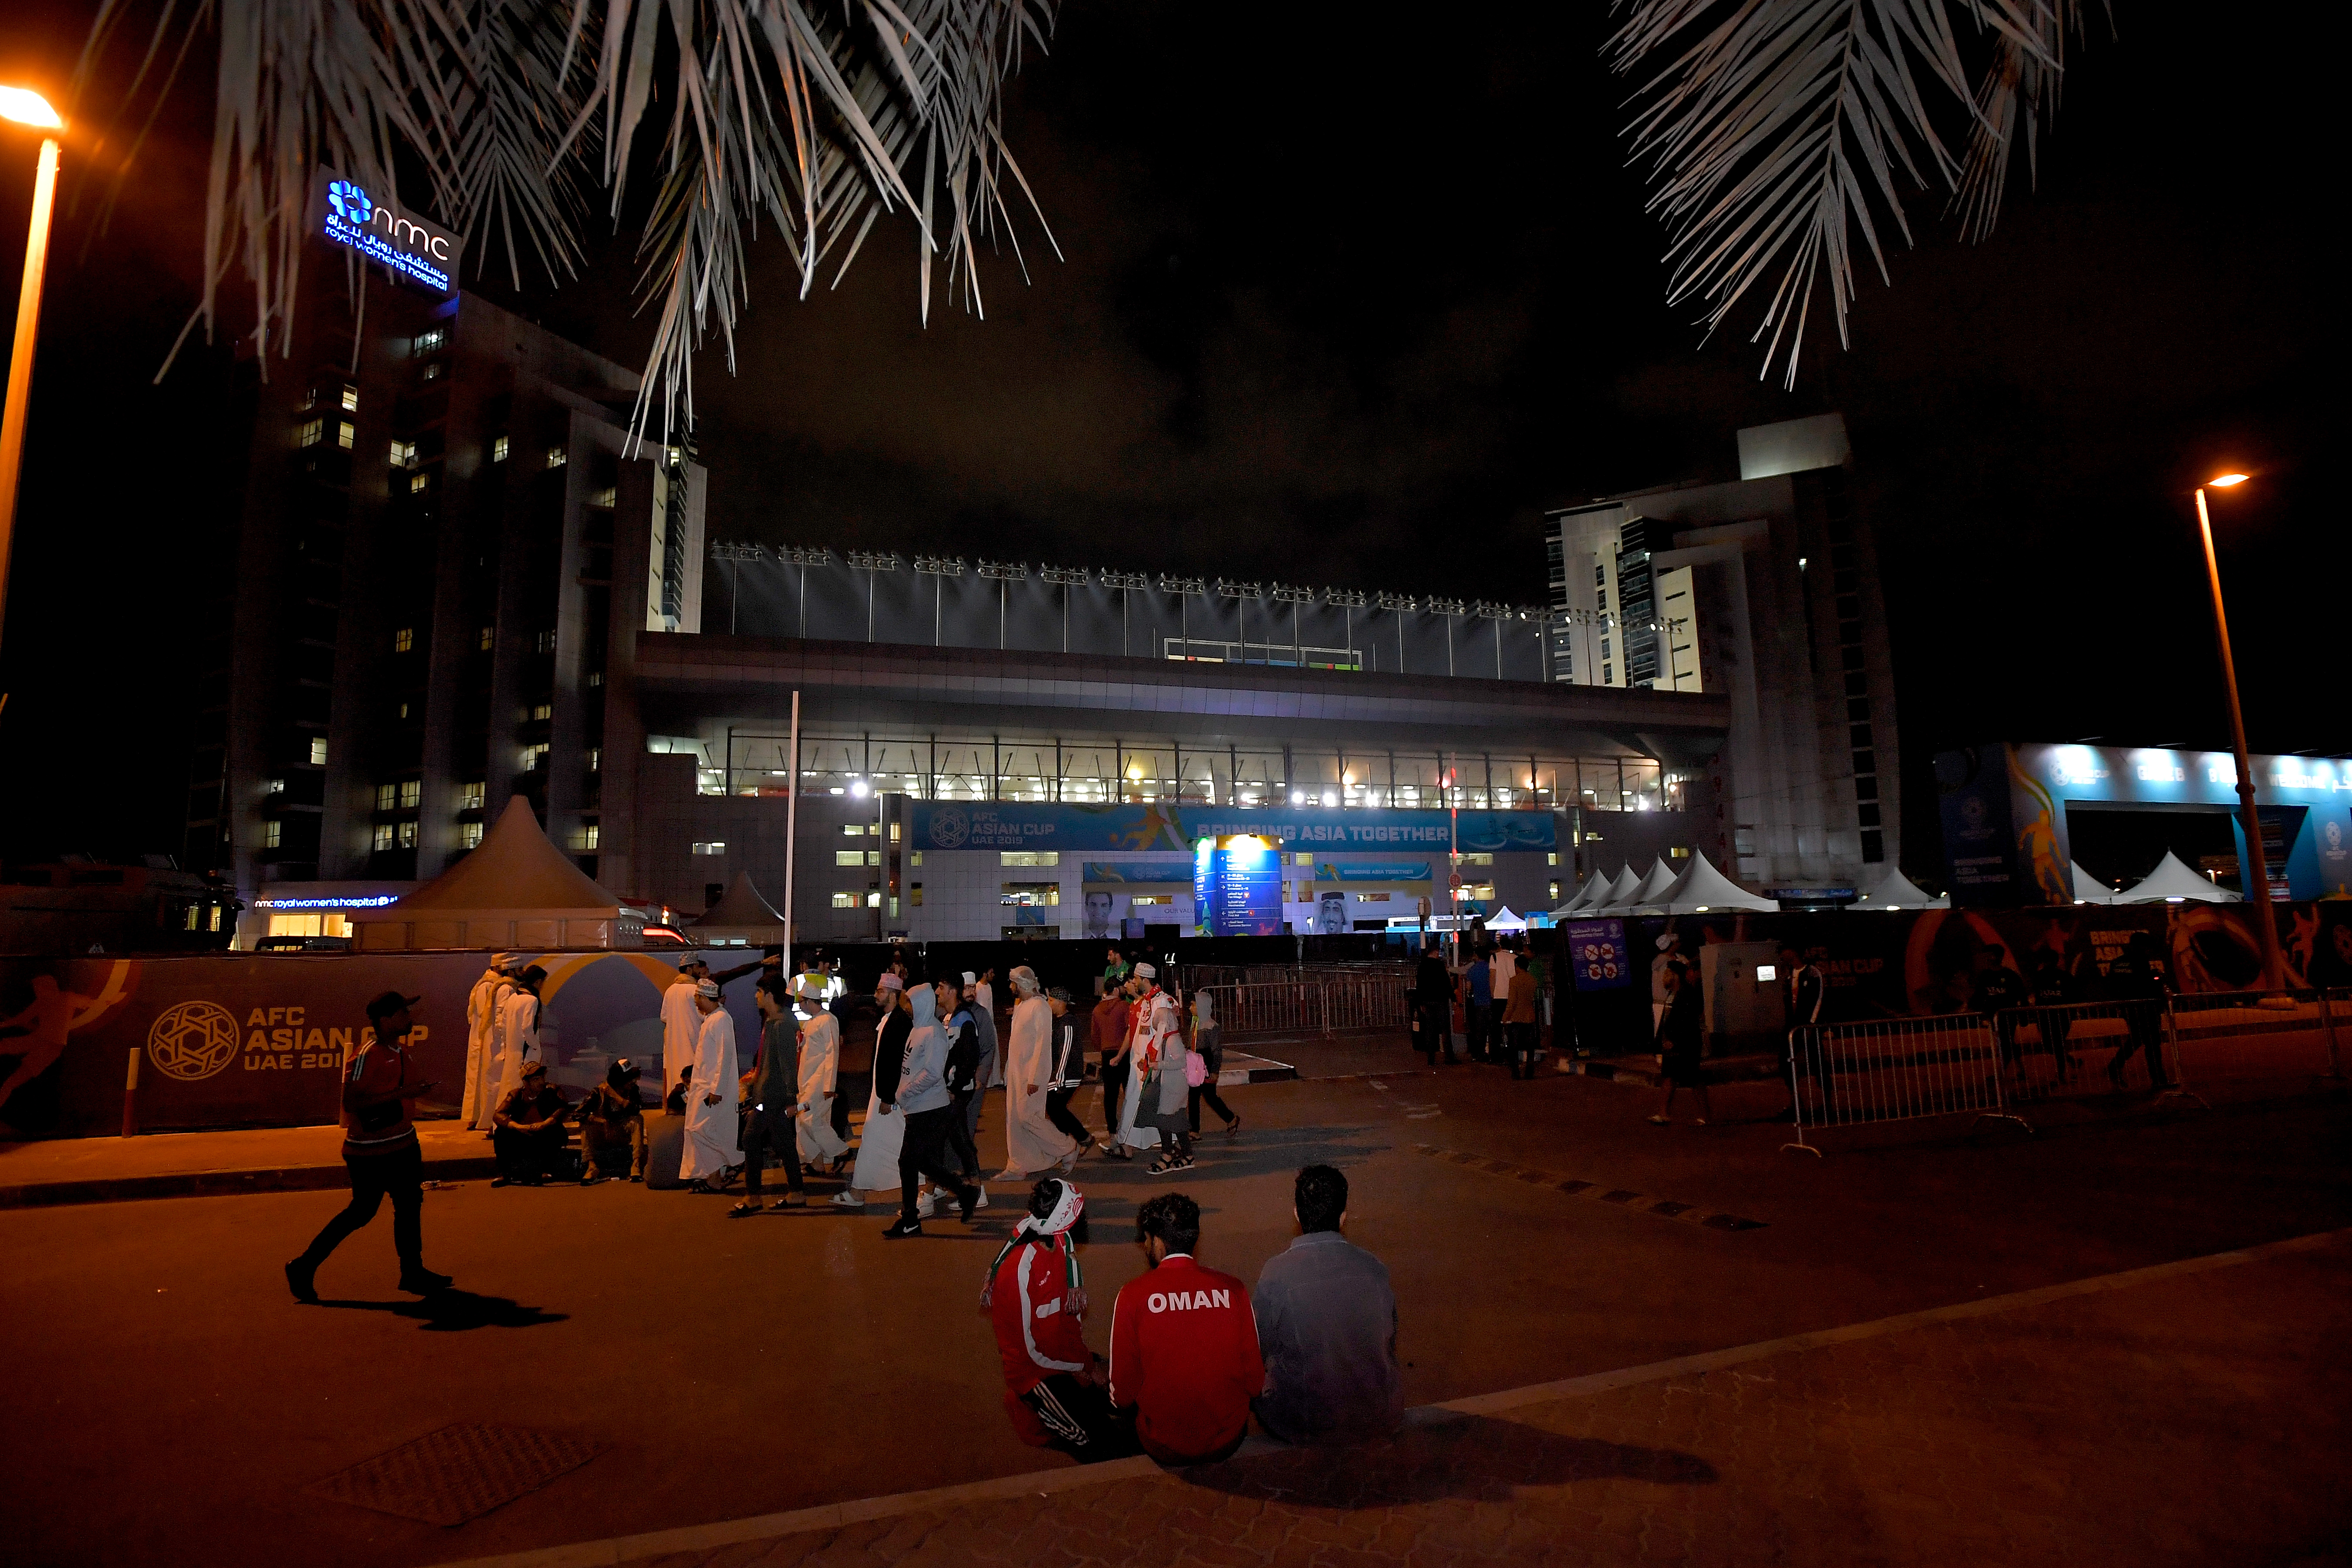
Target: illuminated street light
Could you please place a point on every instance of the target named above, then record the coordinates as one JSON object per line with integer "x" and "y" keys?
{"x": 2257, "y": 859}
{"x": 25, "y": 106}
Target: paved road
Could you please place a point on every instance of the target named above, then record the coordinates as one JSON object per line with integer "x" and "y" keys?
{"x": 171, "y": 1402}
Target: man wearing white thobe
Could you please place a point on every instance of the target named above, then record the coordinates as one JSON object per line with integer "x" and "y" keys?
{"x": 1155, "y": 1026}
{"x": 1031, "y": 1141}
{"x": 483, "y": 1006}
{"x": 518, "y": 1031}
{"x": 711, "y": 1142}
{"x": 819, "y": 1071}
{"x": 681, "y": 1023}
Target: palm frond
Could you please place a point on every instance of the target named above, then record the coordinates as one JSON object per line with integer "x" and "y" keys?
{"x": 2018, "y": 93}
{"x": 1780, "y": 130}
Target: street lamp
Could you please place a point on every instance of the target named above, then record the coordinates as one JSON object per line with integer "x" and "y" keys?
{"x": 2257, "y": 860}
{"x": 25, "y": 106}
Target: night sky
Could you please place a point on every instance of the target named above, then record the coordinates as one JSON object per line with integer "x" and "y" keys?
{"x": 1355, "y": 308}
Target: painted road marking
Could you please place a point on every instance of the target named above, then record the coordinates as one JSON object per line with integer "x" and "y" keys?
{"x": 1620, "y": 1198}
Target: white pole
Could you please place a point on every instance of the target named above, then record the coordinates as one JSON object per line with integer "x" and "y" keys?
{"x": 20, "y": 356}
{"x": 792, "y": 836}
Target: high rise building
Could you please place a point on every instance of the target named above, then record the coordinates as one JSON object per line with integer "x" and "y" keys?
{"x": 1764, "y": 590}
{"x": 443, "y": 524}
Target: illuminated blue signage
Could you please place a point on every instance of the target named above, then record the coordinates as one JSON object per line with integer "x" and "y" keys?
{"x": 347, "y": 215}
{"x": 1237, "y": 886}
{"x": 351, "y": 902}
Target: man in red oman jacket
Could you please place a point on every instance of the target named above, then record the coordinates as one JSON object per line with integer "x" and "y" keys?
{"x": 1036, "y": 1298}
{"x": 1183, "y": 1344}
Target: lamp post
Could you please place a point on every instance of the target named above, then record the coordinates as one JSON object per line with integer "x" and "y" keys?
{"x": 26, "y": 108}
{"x": 2257, "y": 860}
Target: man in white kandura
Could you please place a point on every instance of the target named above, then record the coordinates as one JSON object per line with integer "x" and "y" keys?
{"x": 518, "y": 1031}
{"x": 821, "y": 1146}
{"x": 885, "y": 1132}
{"x": 1155, "y": 1025}
{"x": 681, "y": 1023}
{"x": 1031, "y": 1141}
{"x": 483, "y": 1006}
{"x": 710, "y": 1132}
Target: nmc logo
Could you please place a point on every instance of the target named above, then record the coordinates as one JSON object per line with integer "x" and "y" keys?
{"x": 351, "y": 204}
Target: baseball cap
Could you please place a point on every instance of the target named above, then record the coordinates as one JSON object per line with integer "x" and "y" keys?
{"x": 391, "y": 1002}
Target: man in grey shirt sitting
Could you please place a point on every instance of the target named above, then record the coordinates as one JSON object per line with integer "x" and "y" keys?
{"x": 1326, "y": 1325}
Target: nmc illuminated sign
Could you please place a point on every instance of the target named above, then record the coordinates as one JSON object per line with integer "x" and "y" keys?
{"x": 348, "y": 214}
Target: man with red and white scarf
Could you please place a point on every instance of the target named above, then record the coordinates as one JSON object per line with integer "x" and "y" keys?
{"x": 1155, "y": 1048}
{"x": 1036, "y": 1298}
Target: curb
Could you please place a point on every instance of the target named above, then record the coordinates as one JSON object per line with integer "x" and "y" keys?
{"x": 218, "y": 1184}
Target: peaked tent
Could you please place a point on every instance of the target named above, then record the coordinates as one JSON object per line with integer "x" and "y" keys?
{"x": 1620, "y": 894}
{"x": 2171, "y": 881}
{"x": 2089, "y": 889}
{"x": 1596, "y": 887}
{"x": 1703, "y": 889}
{"x": 742, "y": 913}
{"x": 1504, "y": 920}
{"x": 1649, "y": 898}
{"x": 1897, "y": 891}
{"x": 514, "y": 889}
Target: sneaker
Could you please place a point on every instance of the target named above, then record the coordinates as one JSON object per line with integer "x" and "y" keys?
{"x": 972, "y": 1198}
{"x": 925, "y": 1202}
{"x": 903, "y": 1227}
{"x": 847, "y": 1198}
{"x": 299, "y": 1278}
{"x": 591, "y": 1179}
{"x": 981, "y": 1202}
{"x": 423, "y": 1281}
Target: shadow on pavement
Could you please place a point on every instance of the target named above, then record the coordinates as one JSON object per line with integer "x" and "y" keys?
{"x": 1474, "y": 1457}
{"x": 452, "y": 1312}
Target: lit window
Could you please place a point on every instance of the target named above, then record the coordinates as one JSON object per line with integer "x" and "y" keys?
{"x": 844, "y": 901}
{"x": 469, "y": 797}
{"x": 1552, "y": 858}
{"x": 469, "y": 834}
{"x": 270, "y": 832}
{"x": 486, "y": 638}
{"x": 313, "y": 431}
{"x": 430, "y": 339}
{"x": 432, "y": 370}
{"x": 605, "y": 497}
{"x": 1030, "y": 857}
{"x": 915, "y": 858}
{"x": 404, "y": 709}
{"x": 383, "y": 835}
{"x": 418, "y": 482}
{"x": 404, "y": 454}
{"x": 309, "y": 399}
{"x": 873, "y": 899}
{"x": 1302, "y": 860}
{"x": 411, "y": 792}
{"x": 1141, "y": 899}
{"x": 853, "y": 828}
{"x": 543, "y": 710}
{"x": 588, "y": 837}
{"x": 407, "y": 836}
{"x": 319, "y": 751}
{"x": 716, "y": 846}
{"x": 498, "y": 448}
{"x": 917, "y": 900}
{"x": 595, "y": 678}
{"x": 534, "y": 757}
{"x": 1477, "y": 859}
{"x": 547, "y": 642}
{"x": 595, "y": 759}
{"x": 1555, "y": 888}
{"x": 1032, "y": 893}
{"x": 350, "y": 397}
{"x": 849, "y": 857}
{"x": 273, "y": 786}
{"x": 403, "y": 639}
{"x": 557, "y": 457}
{"x": 384, "y": 796}
{"x": 345, "y": 434}
{"x": 1679, "y": 852}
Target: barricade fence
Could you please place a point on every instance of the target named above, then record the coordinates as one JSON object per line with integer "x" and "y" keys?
{"x": 1320, "y": 1006}
{"x": 1894, "y": 1069}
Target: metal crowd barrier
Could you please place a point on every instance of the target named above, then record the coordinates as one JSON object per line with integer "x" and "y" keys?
{"x": 2087, "y": 1048}
{"x": 2263, "y": 1034}
{"x": 1895, "y": 1069}
{"x": 1310, "y": 1006}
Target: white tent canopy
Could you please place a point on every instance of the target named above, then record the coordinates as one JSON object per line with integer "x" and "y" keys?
{"x": 1504, "y": 920}
{"x": 1703, "y": 889}
{"x": 1596, "y": 887}
{"x": 514, "y": 889}
{"x": 1897, "y": 891}
{"x": 742, "y": 913}
{"x": 1622, "y": 893}
{"x": 2171, "y": 881}
{"x": 2088, "y": 890}
{"x": 1659, "y": 882}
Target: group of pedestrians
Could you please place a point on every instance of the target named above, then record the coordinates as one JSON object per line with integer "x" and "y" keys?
{"x": 1191, "y": 1358}
{"x": 1155, "y": 1077}
{"x": 1495, "y": 989}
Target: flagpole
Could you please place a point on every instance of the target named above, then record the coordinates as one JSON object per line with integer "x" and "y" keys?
{"x": 792, "y": 836}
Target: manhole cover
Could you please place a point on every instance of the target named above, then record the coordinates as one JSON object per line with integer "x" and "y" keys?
{"x": 458, "y": 1473}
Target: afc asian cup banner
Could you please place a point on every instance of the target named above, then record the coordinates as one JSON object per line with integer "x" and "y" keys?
{"x": 1039, "y": 824}
{"x": 245, "y": 1039}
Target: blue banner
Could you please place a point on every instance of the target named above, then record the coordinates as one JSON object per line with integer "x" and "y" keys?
{"x": 1374, "y": 871}
{"x": 1597, "y": 955}
{"x": 1041, "y": 824}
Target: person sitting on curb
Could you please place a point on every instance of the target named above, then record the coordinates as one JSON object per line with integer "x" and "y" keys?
{"x": 1183, "y": 1347}
{"x": 1036, "y": 1299}
{"x": 1326, "y": 1325}
{"x": 527, "y": 1133}
{"x": 613, "y": 1127}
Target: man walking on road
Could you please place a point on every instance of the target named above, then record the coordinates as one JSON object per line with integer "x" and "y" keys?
{"x": 381, "y": 1154}
{"x": 923, "y": 1100}
{"x": 1432, "y": 1005}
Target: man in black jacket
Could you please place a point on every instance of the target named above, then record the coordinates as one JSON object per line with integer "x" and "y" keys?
{"x": 1433, "y": 1007}
{"x": 956, "y": 1017}
{"x": 1805, "y": 993}
{"x": 1068, "y": 1073}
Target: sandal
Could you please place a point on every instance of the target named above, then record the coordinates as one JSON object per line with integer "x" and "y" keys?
{"x": 1660, "y": 1122}
{"x": 748, "y": 1207}
{"x": 1161, "y": 1167}
{"x": 1233, "y": 1126}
